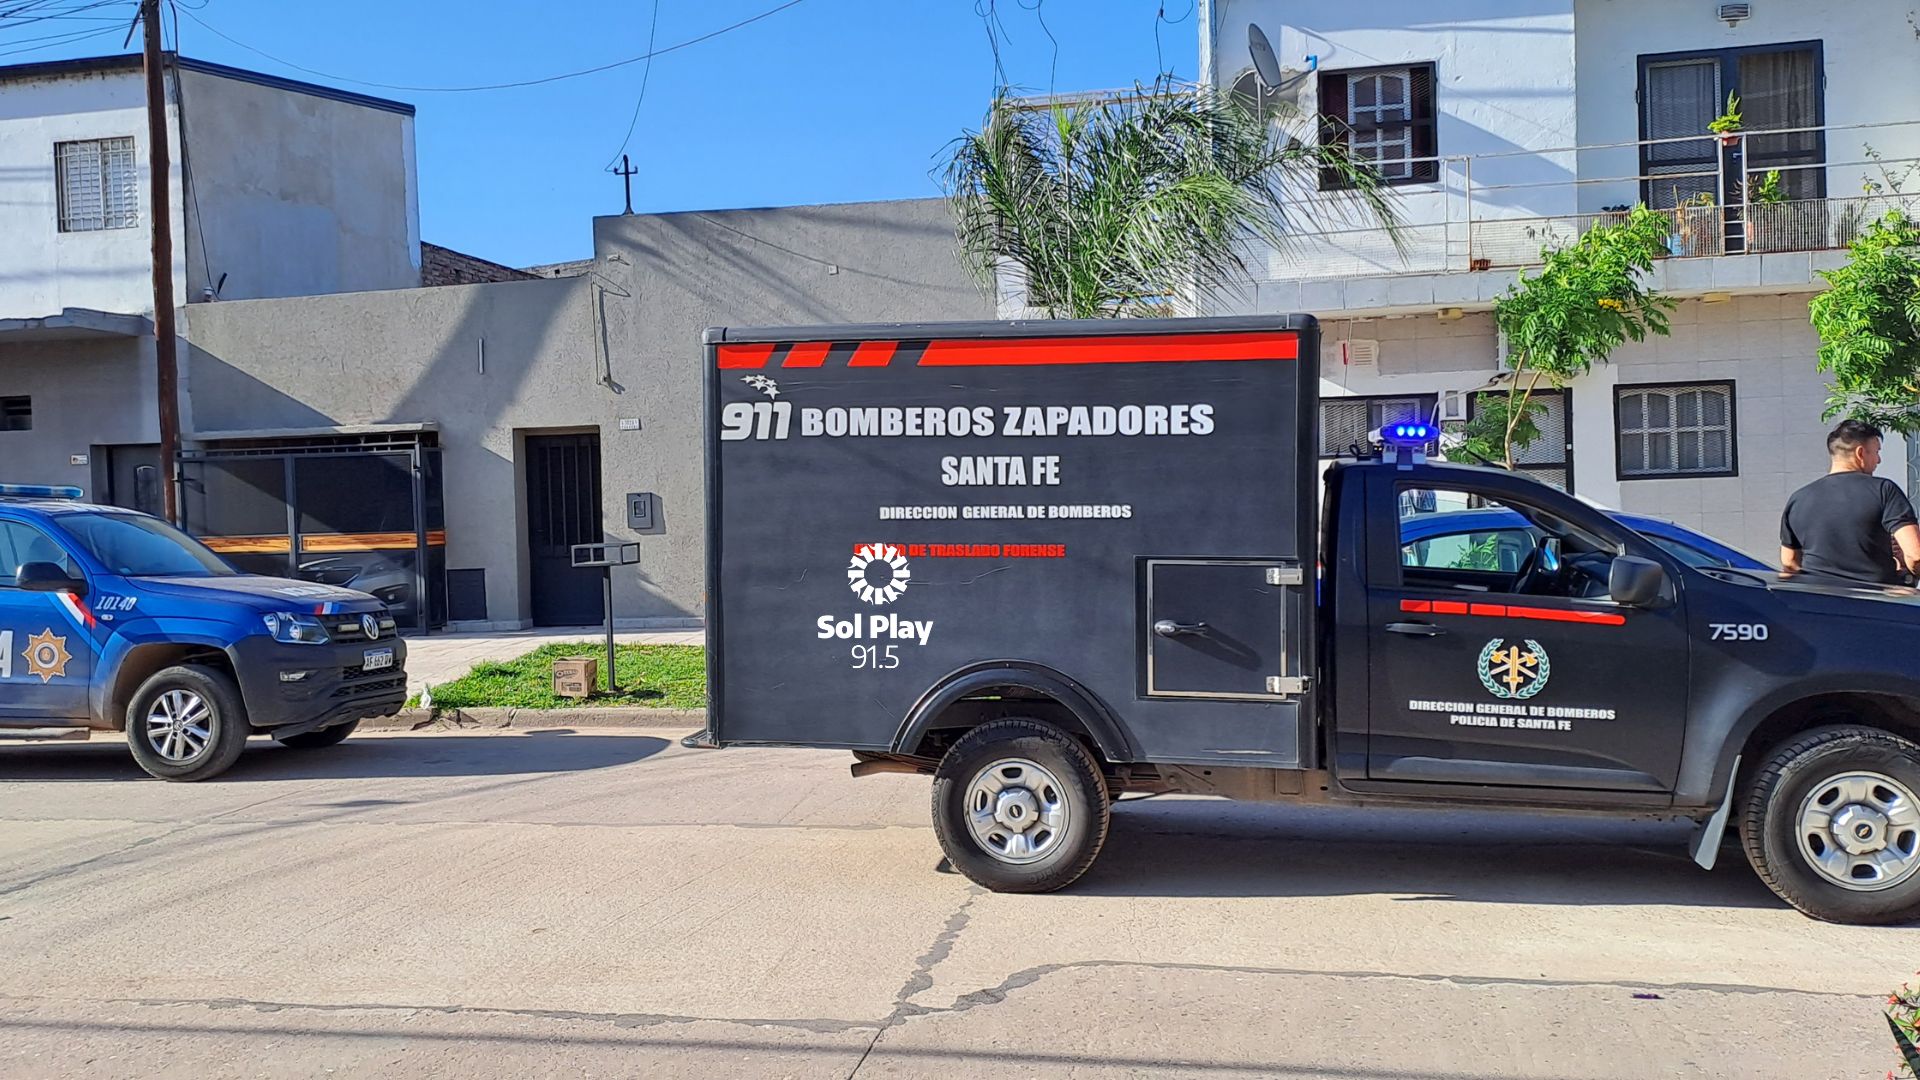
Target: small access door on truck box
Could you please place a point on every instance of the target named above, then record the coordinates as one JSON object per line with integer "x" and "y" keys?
{"x": 1122, "y": 511}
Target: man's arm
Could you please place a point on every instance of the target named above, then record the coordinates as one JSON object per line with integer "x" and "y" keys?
{"x": 1896, "y": 515}
{"x": 1907, "y": 539}
{"x": 1789, "y": 542}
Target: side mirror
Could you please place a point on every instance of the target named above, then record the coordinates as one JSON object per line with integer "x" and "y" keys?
{"x": 1636, "y": 582}
{"x": 1550, "y": 555}
{"x": 48, "y": 577}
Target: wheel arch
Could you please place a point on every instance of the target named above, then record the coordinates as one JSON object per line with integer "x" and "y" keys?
{"x": 981, "y": 692}
{"x": 114, "y": 695}
{"x": 1772, "y": 721}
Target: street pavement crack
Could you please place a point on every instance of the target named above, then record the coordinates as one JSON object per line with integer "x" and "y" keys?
{"x": 922, "y": 976}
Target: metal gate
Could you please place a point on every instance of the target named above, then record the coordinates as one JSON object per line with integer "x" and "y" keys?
{"x": 563, "y": 509}
{"x": 360, "y": 511}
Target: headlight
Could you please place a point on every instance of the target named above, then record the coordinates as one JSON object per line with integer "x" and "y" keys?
{"x": 295, "y": 629}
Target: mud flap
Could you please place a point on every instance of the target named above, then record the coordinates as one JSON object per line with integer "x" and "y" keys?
{"x": 1705, "y": 845}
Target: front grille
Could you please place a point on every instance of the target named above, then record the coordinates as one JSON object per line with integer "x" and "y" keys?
{"x": 347, "y": 628}
{"x": 370, "y": 684}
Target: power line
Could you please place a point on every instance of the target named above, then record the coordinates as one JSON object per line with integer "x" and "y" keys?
{"x": 41, "y": 13}
{"x": 648, "y": 55}
{"x": 63, "y": 39}
{"x": 646, "y": 73}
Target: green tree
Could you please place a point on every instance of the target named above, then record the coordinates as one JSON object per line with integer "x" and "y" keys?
{"x": 1588, "y": 299}
{"x": 1869, "y": 325}
{"x": 1122, "y": 206}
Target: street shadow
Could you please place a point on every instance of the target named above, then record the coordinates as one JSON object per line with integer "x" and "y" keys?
{"x": 516, "y": 754}
{"x": 1204, "y": 847}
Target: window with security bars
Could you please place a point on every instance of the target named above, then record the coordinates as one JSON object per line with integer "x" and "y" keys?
{"x": 1780, "y": 88}
{"x": 1676, "y": 430}
{"x": 1547, "y": 458}
{"x": 99, "y": 185}
{"x": 1346, "y": 421}
{"x": 1383, "y": 118}
{"x": 16, "y": 413}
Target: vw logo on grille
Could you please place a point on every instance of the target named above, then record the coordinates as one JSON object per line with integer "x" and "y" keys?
{"x": 370, "y": 626}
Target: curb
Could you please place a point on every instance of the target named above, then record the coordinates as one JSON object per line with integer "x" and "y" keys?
{"x": 458, "y": 719}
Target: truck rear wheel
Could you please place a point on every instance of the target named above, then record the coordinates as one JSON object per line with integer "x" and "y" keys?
{"x": 1019, "y": 806}
{"x": 1832, "y": 825}
{"x": 187, "y": 723}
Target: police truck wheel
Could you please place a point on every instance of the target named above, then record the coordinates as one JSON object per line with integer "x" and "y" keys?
{"x": 1832, "y": 824}
{"x": 315, "y": 740}
{"x": 187, "y": 723}
{"x": 1019, "y": 806}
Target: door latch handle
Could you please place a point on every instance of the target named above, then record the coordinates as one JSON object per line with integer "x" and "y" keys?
{"x": 1415, "y": 629}
{"x": 1169, "y": 628}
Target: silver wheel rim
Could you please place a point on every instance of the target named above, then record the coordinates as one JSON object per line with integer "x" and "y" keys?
{"x": 179, "y": 725}
{"x": 1017, "y": 811}
{"x": 1861, "y": 831}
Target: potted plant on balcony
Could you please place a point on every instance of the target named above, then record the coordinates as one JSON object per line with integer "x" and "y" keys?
{"x": 1727, "y": 124}
{"x": 1768, "y": 226}
{"x": 1696, "y": 223}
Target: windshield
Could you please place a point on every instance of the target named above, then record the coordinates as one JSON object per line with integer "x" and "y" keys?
{"x": 133, "y": 545}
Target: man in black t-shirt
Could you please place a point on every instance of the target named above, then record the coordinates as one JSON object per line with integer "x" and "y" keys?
{"x": 1851, "y": 523}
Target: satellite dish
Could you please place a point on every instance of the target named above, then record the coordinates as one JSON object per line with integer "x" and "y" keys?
{"x": 1265, "y": 64}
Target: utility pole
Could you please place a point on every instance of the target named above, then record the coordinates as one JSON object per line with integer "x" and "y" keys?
{"x": 159, "y": 169}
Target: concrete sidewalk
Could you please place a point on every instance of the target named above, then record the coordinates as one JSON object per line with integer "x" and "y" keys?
{"x": 442, "y": 658}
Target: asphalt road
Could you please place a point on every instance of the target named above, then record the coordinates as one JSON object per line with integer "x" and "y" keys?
{"x": 610, "y": 904}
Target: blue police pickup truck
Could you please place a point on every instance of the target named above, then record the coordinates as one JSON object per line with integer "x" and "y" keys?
{"x": 115, "y": 620}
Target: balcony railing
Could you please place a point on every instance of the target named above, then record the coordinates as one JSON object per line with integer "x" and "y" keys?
{"x": 1503, "y": 210}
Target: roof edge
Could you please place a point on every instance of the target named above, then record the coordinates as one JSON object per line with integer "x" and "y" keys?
{"x": 45, "y": 69}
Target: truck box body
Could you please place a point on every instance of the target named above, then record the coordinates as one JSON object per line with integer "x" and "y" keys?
{"x": 893, "y": 506}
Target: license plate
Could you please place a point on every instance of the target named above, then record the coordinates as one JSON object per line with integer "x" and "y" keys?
{"x": 376, "y": 659}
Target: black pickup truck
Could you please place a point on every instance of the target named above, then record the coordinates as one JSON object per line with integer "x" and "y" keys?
{"x": 1047, "y": 563}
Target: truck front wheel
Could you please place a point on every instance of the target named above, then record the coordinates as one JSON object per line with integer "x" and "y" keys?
{"x": 1019, "y": 806}
{"x": 1832, "y": 824}
{"x": 187, "y": 723}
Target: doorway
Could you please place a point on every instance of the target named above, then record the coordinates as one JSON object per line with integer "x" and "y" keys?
{"x": 129, "y": 476}
{"x": 563, "y": 509}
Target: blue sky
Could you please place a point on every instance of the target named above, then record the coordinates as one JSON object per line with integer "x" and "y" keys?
{"x": 828, "y": 101}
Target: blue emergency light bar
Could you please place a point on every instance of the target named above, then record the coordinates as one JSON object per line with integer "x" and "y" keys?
{"x": 1408, "y": 434}
{"x": 42, "y": 491}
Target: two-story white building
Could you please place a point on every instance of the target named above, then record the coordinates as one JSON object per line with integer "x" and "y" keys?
{"x": 277, "y": 188}
{"x": 1508, "y": 125}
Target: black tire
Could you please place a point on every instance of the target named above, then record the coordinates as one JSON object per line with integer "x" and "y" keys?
{"x": 1770, "y": 823}
{"x": 319, "y": 740}
{"x": 225, "y": 723}
{"x": 1077, "y": 786}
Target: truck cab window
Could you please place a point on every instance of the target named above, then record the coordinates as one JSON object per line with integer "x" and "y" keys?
{"x": 1467, "y": 541}
{"x": 22, "y": 543}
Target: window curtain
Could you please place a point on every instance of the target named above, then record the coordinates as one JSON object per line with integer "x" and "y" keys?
{"x": 1779, "y": 90}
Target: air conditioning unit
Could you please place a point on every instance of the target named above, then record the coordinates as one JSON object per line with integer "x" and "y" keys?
{"x": 1733, "y": 13}
{"x": 1453, "y": 407}
{"x": 1360, "y": 354}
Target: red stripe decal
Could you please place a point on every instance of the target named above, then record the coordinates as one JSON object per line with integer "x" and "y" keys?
{"x": 806, "y": 354}
{"x": 1455, "y": 607}
{"x": 745, "y": 356}
{"x": 1595, "y": 618}
{"x": 874, "y": 354}
{"x": 1143, "y": 349}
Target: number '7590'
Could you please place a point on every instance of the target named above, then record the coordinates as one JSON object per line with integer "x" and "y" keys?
{"x": 1739, "y": 631}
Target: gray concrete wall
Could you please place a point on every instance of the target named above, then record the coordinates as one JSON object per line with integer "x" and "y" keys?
{"x": 622, "y": 343}
{"x": 85, "y": 394}
{"x": 295, "y": 194}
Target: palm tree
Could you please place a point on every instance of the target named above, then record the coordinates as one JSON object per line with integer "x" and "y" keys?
{"x": 1122, "y": 206}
